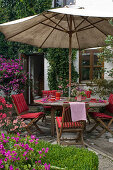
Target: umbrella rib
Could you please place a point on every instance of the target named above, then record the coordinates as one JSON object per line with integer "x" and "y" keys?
{"x": 51, "y": 32}
{"x": 76, "y": 32}
{"x": 85, "y": 29}
{"x": 55, "y": 22}
{"x": 80, "y": 23}
{"x": 31, "y": 27}
{"x": 51, "y": 27}
{"x": 90, "y": 26}
{"x": 96, "y": 27}
{"x": 67, "y": 22}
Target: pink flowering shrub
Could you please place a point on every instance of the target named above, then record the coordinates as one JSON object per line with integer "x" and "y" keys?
{"x": 7, "y": 121}
{"x": 18, "y": 153}
{"x": 12, "y": 76}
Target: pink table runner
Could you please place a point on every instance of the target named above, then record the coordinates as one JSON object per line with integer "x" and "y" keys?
{"x": 78, "y": 111}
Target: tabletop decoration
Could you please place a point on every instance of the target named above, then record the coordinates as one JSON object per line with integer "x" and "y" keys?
{"x": 78, "y": 93}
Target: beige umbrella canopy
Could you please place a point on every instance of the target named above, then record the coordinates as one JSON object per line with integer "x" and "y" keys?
{"x": 68, "y": 27}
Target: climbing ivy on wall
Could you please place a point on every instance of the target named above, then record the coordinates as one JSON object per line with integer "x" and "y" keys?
{"x": 58, "y": 72}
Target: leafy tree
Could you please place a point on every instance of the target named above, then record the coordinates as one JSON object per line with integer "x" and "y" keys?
{"x": 15, "y": 9}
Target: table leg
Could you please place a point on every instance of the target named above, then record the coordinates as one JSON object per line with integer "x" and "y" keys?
{"x": 52, "y": 121}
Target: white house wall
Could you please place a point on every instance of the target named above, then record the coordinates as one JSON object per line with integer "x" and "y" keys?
{"x": 108, "y": 67}
{"x": 46, "y": 65}
{"x": 76, "y": 62}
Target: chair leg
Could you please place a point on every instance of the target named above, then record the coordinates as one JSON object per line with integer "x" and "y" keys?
{"x": 106, "y": 128}
{"x": 80, "y": 138}
{"x": 58, "y": 137}
{"x": 100, "y": 122}
{"x": 88, "y": 118}
{"x": 44, "y": 117}
{"x": 38, "y": 128}
{"x": 29, "y": 132}
{"x": 94, "y": 127}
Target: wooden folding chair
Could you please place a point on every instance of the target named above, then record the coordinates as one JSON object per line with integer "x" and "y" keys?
{"x": 65, "y": 124}
{"x": 103, "y": 120}
{"x": 22, "y": 110}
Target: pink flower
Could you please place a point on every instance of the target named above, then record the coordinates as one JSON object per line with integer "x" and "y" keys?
{"x": 39, "y": 161}
{"x": 1, "y": 107}
{"x": 4, "y": 115}
{"x": 11, "y": 167}
{"x": 32, "y": 137}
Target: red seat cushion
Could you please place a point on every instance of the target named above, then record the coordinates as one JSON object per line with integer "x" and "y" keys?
{"x": 20, "y": 102}
{"x": 110, "y": 105}
{"x": 32, "y": 115}
{"x": 47, "y": 107}
{"x": 68, "y": 124}
{"x": 100, "y": 115}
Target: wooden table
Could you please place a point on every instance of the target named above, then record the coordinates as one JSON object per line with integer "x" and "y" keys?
{"x": 61, "y": 103}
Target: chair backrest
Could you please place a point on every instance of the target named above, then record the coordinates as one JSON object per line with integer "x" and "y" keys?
{"x": 66, "y": 115}
{"x": 48, "y": 93}
{"x": 110, "y": 105}
{"x": 19, "y": 103}
{"x": 67, "y": 120}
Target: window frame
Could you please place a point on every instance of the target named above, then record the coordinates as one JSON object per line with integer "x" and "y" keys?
{"x": 91, "y": 65}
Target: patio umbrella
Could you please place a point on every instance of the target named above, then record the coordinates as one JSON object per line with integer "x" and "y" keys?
{"x": 67, "y": 27}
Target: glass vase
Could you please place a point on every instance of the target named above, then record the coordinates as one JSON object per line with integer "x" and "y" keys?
{"x": 79, "y": 98}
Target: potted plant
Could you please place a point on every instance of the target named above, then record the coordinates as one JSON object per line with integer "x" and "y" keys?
{"x": 78, "y": 93}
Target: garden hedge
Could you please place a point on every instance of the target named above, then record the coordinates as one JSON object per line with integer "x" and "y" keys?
{"x": 69, "y": 157}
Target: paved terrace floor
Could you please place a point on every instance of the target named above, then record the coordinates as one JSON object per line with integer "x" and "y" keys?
{"x": 103, "y": 146}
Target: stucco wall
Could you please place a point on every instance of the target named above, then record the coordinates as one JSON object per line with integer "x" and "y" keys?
{"x": 108, "y": 67}
{"x": 46, "y": 65}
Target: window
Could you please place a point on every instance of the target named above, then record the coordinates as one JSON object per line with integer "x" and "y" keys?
{"x": 88, "y": 66}
{"x": 63, "y": 2}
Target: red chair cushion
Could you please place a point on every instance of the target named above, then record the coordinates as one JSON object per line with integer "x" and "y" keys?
{"x": 100, "y": 115}
{"x": 47, "y": 107}
{"x": 20, "y": 102}
{"x": 54, "y": 92}
{"x": 31, "y": 115}
{"x": 110, "y": 105}
{"x": 68, "y": 124}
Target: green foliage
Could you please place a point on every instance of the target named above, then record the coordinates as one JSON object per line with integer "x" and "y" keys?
{"x": 106, "y": 54}
{"x": 103, "y": 87}
{"x": 28, "y": 151}
{"x": 15, "y": 9}
{"x": 70, "y": 157}
{"x": 58, "y": 73}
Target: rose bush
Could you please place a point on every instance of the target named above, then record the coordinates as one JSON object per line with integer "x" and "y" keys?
{"x": 9, "y": 122}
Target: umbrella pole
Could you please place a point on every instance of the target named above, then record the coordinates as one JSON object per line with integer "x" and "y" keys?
{"x": 70, "y": 54}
